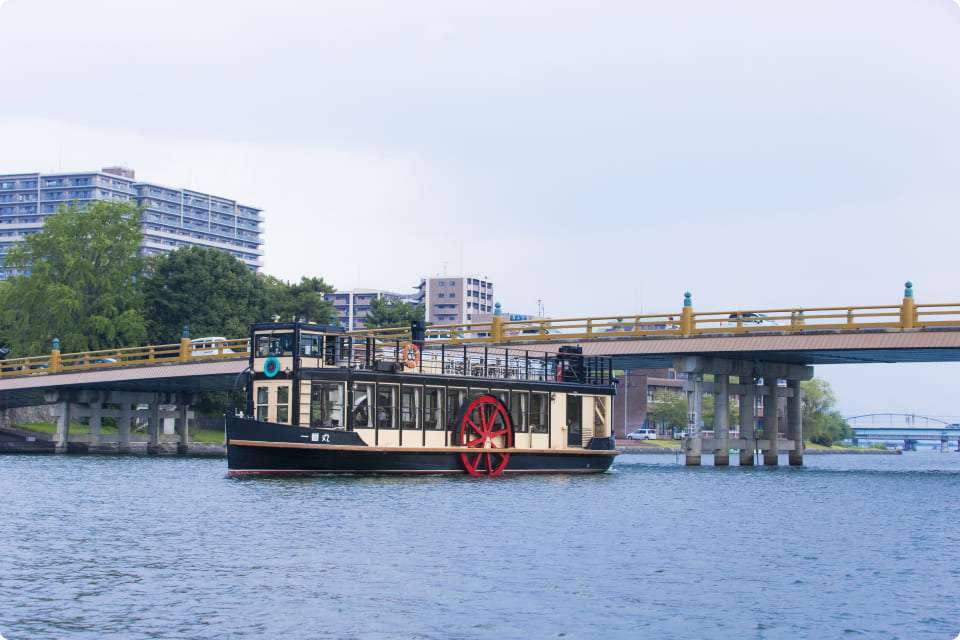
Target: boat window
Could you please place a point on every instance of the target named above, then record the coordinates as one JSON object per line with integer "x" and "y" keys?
{"x": 574, "y": 420}
{"x": 310, "y": 344}
{"x": 362, "y": 401}
{"x": 479, "y": 391}
{"x": 599, "y": 413}
{"x": 387, "y": 406}
{"x": 455, "y": 398}
{"x": 433, "y": 408}
{"x": 326, "y": 404}
{"x": 518, "y": 410}
{"x": 283, "y": 404}
{"x": 263, "y": 400}
{"x": 334, "y": 347}
{"x": 503, "y": 397}
{"x": 539, "y": 402}
{"x": 410, "y": 407}
{"x": 275, "y": 345}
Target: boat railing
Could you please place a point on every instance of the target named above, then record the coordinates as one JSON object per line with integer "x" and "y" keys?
{"x": 481, "y": 361}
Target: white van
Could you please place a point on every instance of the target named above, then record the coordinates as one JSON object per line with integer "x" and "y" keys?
{"x": 211, "y": 346}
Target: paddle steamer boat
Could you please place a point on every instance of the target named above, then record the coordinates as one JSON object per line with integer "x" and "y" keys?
{"x": 321, "y": 401}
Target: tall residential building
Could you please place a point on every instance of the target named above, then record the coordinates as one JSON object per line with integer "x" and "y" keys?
{"x": 172, "y": 217}
{"x": 352, "y": 306}
{"x": 447, "y": 300}
{"x": 454, "y": 299}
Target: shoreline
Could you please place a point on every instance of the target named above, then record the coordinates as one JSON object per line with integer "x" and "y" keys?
{"x": 655, "y": 449}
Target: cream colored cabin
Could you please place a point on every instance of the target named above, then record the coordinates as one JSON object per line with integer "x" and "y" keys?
{"x": 393, "y": 397}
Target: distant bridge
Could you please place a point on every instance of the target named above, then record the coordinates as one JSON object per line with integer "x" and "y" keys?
{"x": 908, "y": 427}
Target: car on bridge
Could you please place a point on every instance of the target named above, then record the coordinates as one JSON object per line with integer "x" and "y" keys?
{"x": 747, "y": 319}
{"x": 211, "y": 346}
{"x": 642, "y": 434}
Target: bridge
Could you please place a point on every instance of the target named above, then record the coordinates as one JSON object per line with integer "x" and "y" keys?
{"x": 909, "y": 428}
{"x": 768, "y": 351}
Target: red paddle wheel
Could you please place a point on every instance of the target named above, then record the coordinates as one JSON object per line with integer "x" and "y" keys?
{"x": 484, "y": 425}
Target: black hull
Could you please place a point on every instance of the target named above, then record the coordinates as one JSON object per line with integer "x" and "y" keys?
{"x": 262, "y": 448}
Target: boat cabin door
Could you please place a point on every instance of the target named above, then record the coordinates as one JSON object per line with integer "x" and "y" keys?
{"x": 574, "y": 421}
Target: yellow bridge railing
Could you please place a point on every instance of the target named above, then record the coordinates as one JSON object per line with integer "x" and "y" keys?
{"x": 907, "y": 316}
{"x": 185, "y": 351}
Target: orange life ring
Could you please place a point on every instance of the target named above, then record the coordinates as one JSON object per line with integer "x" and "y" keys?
{"x": 411, "y": 356}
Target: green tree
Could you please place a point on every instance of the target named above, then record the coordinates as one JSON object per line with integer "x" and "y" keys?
{"x": 821, "y": 422}
{"x": 668, "y": 408}
{"x": 303, "y": 300}
{"x": 206, "y": 289}
{"x": 78, "y": 281}
{"x": 385, "y": 313}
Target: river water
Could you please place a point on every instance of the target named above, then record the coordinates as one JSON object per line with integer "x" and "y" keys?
{"x": 163, "y": 547}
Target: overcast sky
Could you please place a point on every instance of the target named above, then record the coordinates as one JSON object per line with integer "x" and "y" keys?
{"x": 603, "y": 157}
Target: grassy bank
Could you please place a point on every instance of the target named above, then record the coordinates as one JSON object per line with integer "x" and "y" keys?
{"x": 196, "y": 435}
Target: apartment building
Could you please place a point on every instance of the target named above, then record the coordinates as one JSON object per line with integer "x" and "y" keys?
{"x": 456, "y": 299}
{"x": 172, "y": 217}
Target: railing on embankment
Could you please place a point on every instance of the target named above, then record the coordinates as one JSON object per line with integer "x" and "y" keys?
{"x": 907, "y": 316}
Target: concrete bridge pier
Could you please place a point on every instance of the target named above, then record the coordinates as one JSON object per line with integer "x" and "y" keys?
{"x": 748, "y": 423}
{"x": 182, "y": 439}
{"x": 95, "y": 420}
{"x": 62, "y": 413}
{"x": 795, "y": 422}
{"x": 123, "y": 427}
{"x": 749, "y": 371}
{"x": 153, "y": 426}
{"x": 693, "y": 442}
{"x": 721, "y": 428}
{"x": 771, "y": 455}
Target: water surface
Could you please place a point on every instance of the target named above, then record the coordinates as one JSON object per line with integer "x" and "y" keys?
{"x": 137, "y": 547}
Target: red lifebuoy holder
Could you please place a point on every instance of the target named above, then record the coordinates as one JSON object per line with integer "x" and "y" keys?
{"x": 484, "y": 426}
{"x": 411, "y": 356}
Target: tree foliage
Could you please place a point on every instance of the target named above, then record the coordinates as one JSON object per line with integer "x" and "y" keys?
{"x": 670, "y": 409}
{"x": 821, "y": 422}
{"x": 208, "y": 290}
{"x": 385, "y": 313}
{"x": 78, "y": 281}
{"x": 303, "y": 300}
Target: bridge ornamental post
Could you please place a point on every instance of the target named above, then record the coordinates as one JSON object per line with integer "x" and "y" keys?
{"x": 496, "y": 329}
{"x": 795, "y": 422}
{"x": 770, "y": 431}
{"x": 686, "y": 316}
{"x": 907, "y": 310}
{"x": 55, "y": 356}
{"x": 748, "y": 434}
{"x": 185, "y": 344}
{"x": 721, "y": 421}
